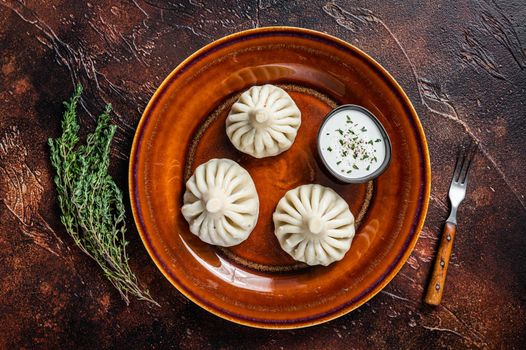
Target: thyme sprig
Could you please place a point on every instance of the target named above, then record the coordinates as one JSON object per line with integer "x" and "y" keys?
{"x": 91, "y": 204}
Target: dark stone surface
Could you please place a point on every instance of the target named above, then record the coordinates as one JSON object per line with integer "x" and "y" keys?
{"x": 463, "y": 64}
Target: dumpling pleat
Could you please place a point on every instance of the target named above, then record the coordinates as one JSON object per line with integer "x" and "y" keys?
{"x": 326, "y": 200}
{"x": 289, "y": 209}
{"x": 298, "y": 205}
{"x": 232, "y": 185}
{"x": 299, "y": 250}
{"x": 320, "y": 253}
{"x": 330, "y": 250}
{"x": 245, "y": 208}
{"x": 211, "y": 173}
{"x": 280, "y": 104}
{"x": 263, "y": 96}
{"x": 315, "y": 199}
{"x": 220, "y": 175}
{"x": 337, "y": 243}
{"x": 240, "y": 197}
{"x": 305, "y": 197}
{"x": 339, "y": 222}
{"x": 336, "y": 210}
{"x": 246, "y": 99}
{"x": 191, "y": 210}
{"x": 274, "y": 96}
{"x": 236, "y": 218}
{"x": 240, "y": 108}
{"x": 248, "y": 138}
{"x": 254, "y": 94}
{"x": 212, "y": 230}
{"x": 268, "y": 141}
{"x": 259, "y": 146}
{"x": 240, "y": 131}
{"x": 285, "y": 218}
{"x": 288, "y": 121}
{"x": 203, "y": 229}
{"x": 233, "y": 231}
{"x": 292, "y": 240}
{"x": 200, "y": 180}
{"x": 220, "y": 228}
{"x": 288, "y": 112}
{"x": 340, "y": 233}
{"x": 238, "y": 117}
{"x": 192, "y": 187}
{"x": 231, "y": 173}
{"x": 310, "y": 253}
{"x": 281, "y": 139}
{"x": 284, "y": 229}
{"x": 286, "y": 129}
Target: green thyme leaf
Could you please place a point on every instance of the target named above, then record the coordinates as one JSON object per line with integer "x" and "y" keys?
{"x": 91, "y": 204}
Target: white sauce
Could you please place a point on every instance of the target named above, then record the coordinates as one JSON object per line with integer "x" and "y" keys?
{"x": 351, "y": 144}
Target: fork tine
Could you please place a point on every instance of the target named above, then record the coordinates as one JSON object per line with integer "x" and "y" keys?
{"x": 464, "y": 155}
{"x": 458, "y": 165}
{"x": 461, "y": 157}
{"x": 470, "y": 155}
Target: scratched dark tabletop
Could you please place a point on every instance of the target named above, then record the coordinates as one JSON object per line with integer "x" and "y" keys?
{"x": 463, "y": 65}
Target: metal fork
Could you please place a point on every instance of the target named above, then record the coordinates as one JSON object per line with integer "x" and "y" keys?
{"x": 457, "y": 192}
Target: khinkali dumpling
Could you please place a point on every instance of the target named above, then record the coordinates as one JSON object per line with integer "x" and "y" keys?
{"x": 221, "y": 203}
{"x": 314, "y": 225}
{"x": 263, "y": 122}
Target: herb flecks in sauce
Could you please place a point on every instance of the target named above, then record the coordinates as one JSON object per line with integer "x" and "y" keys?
{"x": 354, "y": 142}
{"x": 351, "y": 144}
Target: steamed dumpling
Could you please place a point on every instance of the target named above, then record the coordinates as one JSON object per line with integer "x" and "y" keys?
{"x": 314, "y": 225}
{"x": 221, "y": 203}
{"x": 263, "y": 122}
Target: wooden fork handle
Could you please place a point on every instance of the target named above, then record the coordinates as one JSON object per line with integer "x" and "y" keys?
{"x": 438, "y": 279}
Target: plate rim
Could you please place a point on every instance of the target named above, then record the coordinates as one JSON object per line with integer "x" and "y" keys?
{"x": 426, "y": 166}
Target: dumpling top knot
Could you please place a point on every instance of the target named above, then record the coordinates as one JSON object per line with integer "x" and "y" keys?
{"x": 263, "y": 122}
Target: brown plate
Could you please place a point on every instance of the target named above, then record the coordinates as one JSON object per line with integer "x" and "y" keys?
{"x": 256, "y": 283}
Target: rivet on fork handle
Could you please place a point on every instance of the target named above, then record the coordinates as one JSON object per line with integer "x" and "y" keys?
{"x": 438, "y": 279}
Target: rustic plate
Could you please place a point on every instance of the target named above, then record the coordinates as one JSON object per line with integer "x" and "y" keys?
{"x": 256, "y": 283}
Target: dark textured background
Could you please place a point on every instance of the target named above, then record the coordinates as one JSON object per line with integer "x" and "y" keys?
{"x": 462, "y": 63}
